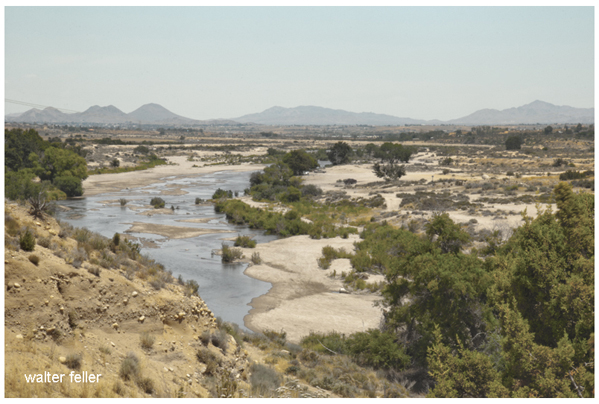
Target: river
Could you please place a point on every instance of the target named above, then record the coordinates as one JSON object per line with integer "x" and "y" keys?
{"x": 224, "y": 287}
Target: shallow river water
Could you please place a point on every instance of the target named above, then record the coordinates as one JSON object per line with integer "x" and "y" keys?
{"x": 224, "y": 287}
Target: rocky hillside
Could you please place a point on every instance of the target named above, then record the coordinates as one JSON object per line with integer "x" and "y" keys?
{"x": 86, "y": 316}
{"x": 65, "y": 312}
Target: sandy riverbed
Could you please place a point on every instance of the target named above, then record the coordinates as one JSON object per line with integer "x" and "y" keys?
{"x": 98, "y": 184}
{"x": 303, "y": 297}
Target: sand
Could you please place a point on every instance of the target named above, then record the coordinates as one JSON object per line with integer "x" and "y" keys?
{"x": 180, "y": 168}
{"x": 304, "y": 297}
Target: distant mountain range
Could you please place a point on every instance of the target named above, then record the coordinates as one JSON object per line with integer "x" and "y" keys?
{"x": 309, "y": 115}
{"x": 537, "y": 112}
{"x": 147, "y": 114}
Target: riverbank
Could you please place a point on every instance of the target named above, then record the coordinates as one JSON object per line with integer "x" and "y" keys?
{"x": 178, "y": 167}
{"x": 304, "y": 297}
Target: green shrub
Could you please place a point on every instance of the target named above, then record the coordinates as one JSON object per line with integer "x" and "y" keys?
{"x": 70, "y": 185}
{"x": 27, "y": 241}
{"x": 157, "y": 202}
{"x": 574, "y": 175}
{"x": 198, "y": 201}
{"x": 123, "y": 201}
{"x": 377, "y": 349}
{"x": 230, "y": 254}
{"x": 116, "y": 239}
{"x": 221, "y": 193}
{"x": 245, "y": 242}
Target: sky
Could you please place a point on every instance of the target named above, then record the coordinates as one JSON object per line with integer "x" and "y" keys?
{"x": 225, "y": 62}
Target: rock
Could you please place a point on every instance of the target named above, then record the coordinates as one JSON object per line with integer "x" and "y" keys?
{"x": 115, "y": 326}
{"x": 343, "y": 290}
{"x": 62, "y": 359}
{"x": 61, "y": 308}
{"x": 16, "y": 285}
{"x": 19, "y": 336}
{"x": 52, "y": 232}
{"x": 125, "y": 301}
{"x": 181, "y": 314}
{"x": 112, "y": 343}
{"x": 141, "y": 319}
{"x": 134, "y": 293}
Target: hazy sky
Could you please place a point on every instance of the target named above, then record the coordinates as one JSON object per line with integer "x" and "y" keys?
{"x": 211, "y": 62}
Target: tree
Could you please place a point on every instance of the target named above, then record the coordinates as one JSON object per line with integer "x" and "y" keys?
{"x": 388, "y": 171}
{"x": 69, "y": 184}
{"x": 390, "y": 154}
{"x": 447, "y": 235}
{"x": 548, "y": 130}
{"x": 299, "y": 161}
{"x": 513, "y": 143}
{"x": 115, "y": 163}
{"x": 339, "y": 153}
{"x": 59, "y": 162}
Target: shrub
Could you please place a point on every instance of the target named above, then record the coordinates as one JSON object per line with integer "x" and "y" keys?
{"x": 199, "y": 200}
{"x": 146, "y": 384}
{"x": 256, "y": 260}
{"x": 70, "y": 185}
{"x": 311, "y": 190}
{"x": 11, "y": 225}
{"x": 157, "y": 202}
{"x": 27, "y": 241}
{"x": 208, "y": 357}
{"x": 559, "y": 162}
{"x": 191, "y": 287}
{"x": 221, "y": 193}
{"x": 130, "y": 367}
{"x": 73, "y": 317}
{"x": 245, "y": 242}
{"x": 446, "y": 161}
{"x": 123, "y": 201}
{"x": 73, "y": 361}
{"x": 220, "y": 339}
{"x": 116, "y": 239}
{"x": 146, "y": 340}
{"x": 574, "y": 175}
{"x": 205, "y": 337}
{"x": 278, "y": 337}
{"x": 230, "y": 254}
{"x": 35, "y": 260}
{"x": 264, "y": 380}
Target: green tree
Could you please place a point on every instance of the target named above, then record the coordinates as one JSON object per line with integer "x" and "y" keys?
{"x": 340, "y": 153}
{"x": 446, "y": 234}
{"x": 59, "y": 162}
{"x": 513, "y": 143}
{"x": 390, "y": 154}
{"x": 70, "y": 185}
{"x": 300, "y": 161}
{"x": 548, "y": 130}
{"x": 462, "y": 374}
